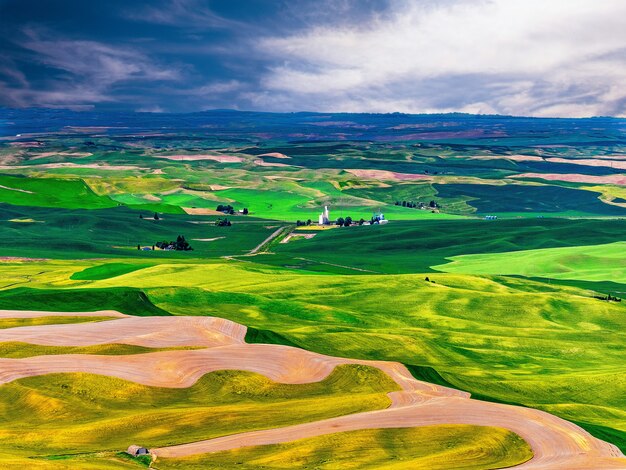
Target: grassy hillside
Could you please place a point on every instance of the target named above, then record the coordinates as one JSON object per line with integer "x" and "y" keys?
{"x": 514, "y": 320}
{"x": 116, "y": 232}
{"x": 66, "y": 413}
{"x": 548, "y": 346}
{"x": 604, "y": 262}
{"x": 17, "y": 350}
{"x": 50, "y": 320}
{"x": 404, "y": 247}
{"x": 430, "y": 447}
{"x": 542, "y": 199}
{"x": 45, "y": 192}
{"x": 125, "y": 300}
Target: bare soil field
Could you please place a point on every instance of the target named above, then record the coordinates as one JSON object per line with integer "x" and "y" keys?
{"x": 215, "y": 158}
{"x": 387, "y": 175}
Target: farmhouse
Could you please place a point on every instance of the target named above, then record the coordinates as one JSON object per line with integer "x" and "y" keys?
{"x": 135, "y": 450}
{"x": 379, "y": 219}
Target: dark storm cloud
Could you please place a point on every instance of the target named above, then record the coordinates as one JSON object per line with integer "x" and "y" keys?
{"x": 344, "y": 55}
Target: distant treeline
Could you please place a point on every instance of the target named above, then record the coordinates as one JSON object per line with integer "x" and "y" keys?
{"x": 179, "y": 245}
{"x": 418, "y": 205}
{"x": 608, "y": 298}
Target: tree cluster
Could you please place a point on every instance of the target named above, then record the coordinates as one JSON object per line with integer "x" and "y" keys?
{"x": 155, "y": 216}
{"x": 223, "y": 222}
{"x": 608, "y": 298}
{"x": 410, "y": 204}
{"x": 348, "y": 221}
{"x": 300, "y": 223}
{"x": 418, "y": 205}
{"x": 226, "y": 209}
{"x": 179, "y": 245}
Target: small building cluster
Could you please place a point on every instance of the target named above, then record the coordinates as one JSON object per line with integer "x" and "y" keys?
{"x": 324, "y": 218}
{"x": 491, "y": 217}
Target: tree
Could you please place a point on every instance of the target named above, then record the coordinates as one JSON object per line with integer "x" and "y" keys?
{"x": 138, "y": 246}
{"x": 403, "y": 203}
{"x": 348, "y": 221}
{"x": 141, "y": 216}
{"x": 340, "y": 221}
{"x": 432, "y": 204}
{"x": 245, "y": 211}
{"x": 220, "y": 208}
{"x": 426, "y": 279}
{"x": 308, "y": 222}
{"x": 156, "y": 216}
{"x": 362, "y": 221}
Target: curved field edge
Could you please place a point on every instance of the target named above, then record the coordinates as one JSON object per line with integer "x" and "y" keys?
{"x": 603, "y": 262}
{"x": 106, "y": 271}
{"x": 339, "y": 322}
{"x": 49, "y": 320}
{"x": 428, "y": 447}
{"x": 60, "y": 413}
{"x": 125, "y": 300}
{"x": 18, "y": 350}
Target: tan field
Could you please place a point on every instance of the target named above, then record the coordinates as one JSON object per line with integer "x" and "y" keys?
{"x": 274, "y": 154}
{"x": 215, "y": 158}
{"x": 387, "y": 175}
{"x": 201, "y": 211}
{"x": 261, "y": 162}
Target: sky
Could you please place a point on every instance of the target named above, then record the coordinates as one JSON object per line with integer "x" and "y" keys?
{"x": 545, "y": 58}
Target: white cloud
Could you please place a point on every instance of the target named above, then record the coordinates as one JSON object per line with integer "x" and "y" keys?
{"x": 531, "y": 57}
{"x": 84, "y": 71}
{"x": 98, "y": 63}
{"x": 186, "y": 14}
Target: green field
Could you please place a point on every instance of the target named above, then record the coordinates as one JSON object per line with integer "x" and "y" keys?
{"x": 604, "y": 262}
{"x": 510, "y": 310}
{"x": 406, "y": 247}
{"x": 116, "y": 232}
{"x": 40, "y": 192}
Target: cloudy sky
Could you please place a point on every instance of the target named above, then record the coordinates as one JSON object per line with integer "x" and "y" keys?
{"x": 520, "y": 57}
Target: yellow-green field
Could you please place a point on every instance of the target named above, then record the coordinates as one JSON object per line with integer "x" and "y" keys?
{"x": 17, "y": 350}
{"x": 49, "y": 320}
{"x": 82, "y": 413}
{"x": 592, "y": 263}
{"x": 547, "y": 346}
{"x": 432, "y": 447}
